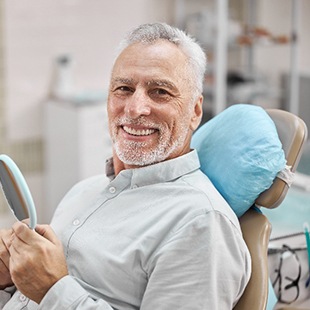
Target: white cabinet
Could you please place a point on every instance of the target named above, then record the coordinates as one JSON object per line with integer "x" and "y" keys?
{"x": 76, "y": 146}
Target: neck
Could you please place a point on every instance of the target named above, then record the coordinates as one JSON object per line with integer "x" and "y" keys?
{"x": 118, "y": 164}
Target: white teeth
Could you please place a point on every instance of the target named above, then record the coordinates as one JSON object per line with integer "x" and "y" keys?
{"x": 138, "y": 132}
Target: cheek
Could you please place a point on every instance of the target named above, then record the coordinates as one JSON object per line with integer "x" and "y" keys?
{"x": 114, "y": 108}
{"x": 112, "y": 113}
{"x": 111, "y": 106}
{"x": 182, "y": 123}
{"x": 175, "y": 125}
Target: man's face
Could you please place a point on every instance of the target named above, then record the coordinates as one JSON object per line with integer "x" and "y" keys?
{"x": 151, "y": 108}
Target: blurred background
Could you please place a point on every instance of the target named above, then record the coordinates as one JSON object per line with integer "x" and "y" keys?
{"x": 55, "y": 62}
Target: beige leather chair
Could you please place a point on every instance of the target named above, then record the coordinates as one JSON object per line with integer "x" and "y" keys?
{"x": 255, "y": 226}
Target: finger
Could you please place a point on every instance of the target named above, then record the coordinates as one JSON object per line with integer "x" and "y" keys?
{"x": 4, "y": 264}
{"x": 23, "y": 232}
{"x": 11, "y": 249}
{"x": 26, "y": 221}
{"x": 6, "y": 241}
{"x": 5, "y": 261}
{"x": 5, "y": 234}
{"x": 47, "y": 232}
{"x": 16, "y": 246}
{"x": 4, "y": 254}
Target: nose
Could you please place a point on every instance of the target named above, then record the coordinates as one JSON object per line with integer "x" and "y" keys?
{"x": 138, "y": 105}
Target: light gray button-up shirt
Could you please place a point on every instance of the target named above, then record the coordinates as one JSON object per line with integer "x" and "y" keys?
{"x": 157, "y": 237}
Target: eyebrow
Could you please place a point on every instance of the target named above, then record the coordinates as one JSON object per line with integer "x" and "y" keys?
{"x": 160, "y": 83}
{"x": 121, "y": 80}
{"x": 154, "y": 82}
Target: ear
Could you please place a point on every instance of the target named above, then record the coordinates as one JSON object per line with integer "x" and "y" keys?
{"x": 196, "y": 113}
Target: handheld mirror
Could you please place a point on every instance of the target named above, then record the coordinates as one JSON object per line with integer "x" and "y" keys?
{"x": 16, "y": 191}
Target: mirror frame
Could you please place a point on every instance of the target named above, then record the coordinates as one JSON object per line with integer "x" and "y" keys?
{"x": 22, "y": 189}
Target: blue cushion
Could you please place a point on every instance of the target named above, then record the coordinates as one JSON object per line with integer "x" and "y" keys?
{"x": 240, "y": 151}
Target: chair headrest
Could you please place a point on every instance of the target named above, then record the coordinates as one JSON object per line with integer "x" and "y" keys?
{"x": 240, "y": 151}
{"x": 292, "y": 132}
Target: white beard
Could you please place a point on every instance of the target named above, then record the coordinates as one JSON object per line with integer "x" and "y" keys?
{"x": 138, "y": 153}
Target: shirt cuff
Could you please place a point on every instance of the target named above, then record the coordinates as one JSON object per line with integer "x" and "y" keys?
{"x": 63, "y": 294}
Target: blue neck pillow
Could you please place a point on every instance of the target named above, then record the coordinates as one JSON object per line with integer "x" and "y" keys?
{"x": 240, "y": 152}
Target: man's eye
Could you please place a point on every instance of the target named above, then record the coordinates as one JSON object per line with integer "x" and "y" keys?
{"x": 123, "y": 89}
{"x": 160, "y": 95}
{"x": 160, "y": 92}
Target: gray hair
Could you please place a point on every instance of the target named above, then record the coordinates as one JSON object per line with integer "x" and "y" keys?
{"x": 150, "y": 33}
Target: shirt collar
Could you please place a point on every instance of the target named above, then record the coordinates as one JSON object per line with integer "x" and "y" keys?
{"x": 161, "y": 172}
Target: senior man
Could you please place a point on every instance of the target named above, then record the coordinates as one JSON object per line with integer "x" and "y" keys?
{"x": 153, "y": 233}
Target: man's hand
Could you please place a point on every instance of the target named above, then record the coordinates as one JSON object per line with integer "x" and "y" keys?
{"x": 5, "y": 277}
{"x": 37, "y": 260}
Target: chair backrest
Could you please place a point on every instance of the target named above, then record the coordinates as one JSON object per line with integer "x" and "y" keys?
{"x": 255, "y": 226}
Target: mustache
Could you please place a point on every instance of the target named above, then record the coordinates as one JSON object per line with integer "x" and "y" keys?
{"x": 141, "y": 121}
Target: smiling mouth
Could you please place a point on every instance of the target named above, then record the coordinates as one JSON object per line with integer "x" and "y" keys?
{"x": 138, "y": 132}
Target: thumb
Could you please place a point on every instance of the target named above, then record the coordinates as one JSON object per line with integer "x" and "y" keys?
{"x": 47, "y": 232}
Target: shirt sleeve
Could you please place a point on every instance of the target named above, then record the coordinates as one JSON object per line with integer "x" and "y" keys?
{"x": 5, "y": 295}
{"x": 68, "y": 294}
{"x": 4, "y": 298}
{"x": 203, "y": 265}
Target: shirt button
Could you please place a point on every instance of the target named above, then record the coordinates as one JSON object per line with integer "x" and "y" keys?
{"x": 76, "y": 222}
{"x": 22, "y": 298}
{"x": 135, "y": 186}
{"x": 112, "y": 189}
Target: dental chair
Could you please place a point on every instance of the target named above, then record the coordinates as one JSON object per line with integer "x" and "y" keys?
{"x": 255, "y": 226}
